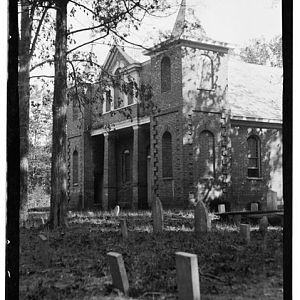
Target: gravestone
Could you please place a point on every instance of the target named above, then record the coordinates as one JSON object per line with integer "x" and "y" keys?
{"x": 192, "y": 200}
{"x": 44, "y": 250}
{"x": 237, "y": 220}
{"x": 157, "y": 215}
{"x": 221, "y": 208}
{"x": 118, "y": 271}
{"x": 271, "y": 200}
{"x": 124, "y": 230}
{"x": 263, "y": 225}
{"x": 254, "y": 207}
{"x": 117, "y": 210}
{"x": 187, "y": 274}
{"x": 245, "y": 232}
{"x": 202, "y": 219}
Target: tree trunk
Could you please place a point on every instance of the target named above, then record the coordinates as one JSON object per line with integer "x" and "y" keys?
{"x": 24, "y": 94}
{"x": 59, "y": 109}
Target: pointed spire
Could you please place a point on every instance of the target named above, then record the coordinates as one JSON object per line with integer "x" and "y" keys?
{"x": 179, "y": 23}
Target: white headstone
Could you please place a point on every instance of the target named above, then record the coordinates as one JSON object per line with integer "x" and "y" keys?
{"x": 117, "y": 210}
{"x": 221, "y": 208}
{"x": 187, "y": 274}
{"x": 271, "y": 200}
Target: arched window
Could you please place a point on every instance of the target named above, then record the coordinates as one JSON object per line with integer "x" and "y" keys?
{"x": 126, "y": 166}
{"x": 130, "y": 93}
{"x": 107, "y": 100}
{"x": 207, "y": 155}
{"x": 165, "y": 74}
{"x": 75, "y": 109}
{"x": 253, "y": 157}
{"x": 167, "y": 170}
{"x": 75, "y": 168}
{"x": 118, "y": 100}
{"x": 206, "y": 73}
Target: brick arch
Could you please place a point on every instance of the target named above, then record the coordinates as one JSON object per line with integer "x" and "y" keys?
{"x": 205, "y": 155}
{"x": 207, "y": 73}
{"x": 75, "y": 166}
{"x": 253, "y": 156}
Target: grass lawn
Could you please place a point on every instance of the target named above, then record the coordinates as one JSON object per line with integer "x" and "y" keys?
{"x": 79, "y": 270}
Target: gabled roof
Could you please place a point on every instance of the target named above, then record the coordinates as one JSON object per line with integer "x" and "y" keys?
{"x": 254, "y": 90}
{"x": 113, "y": 53}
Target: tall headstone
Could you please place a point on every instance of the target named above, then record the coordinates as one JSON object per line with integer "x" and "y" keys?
{"x": 118, "y": 271}
{"x": 263, "y": 225}
{"x": 271, "y": 200}
{"x": 44, "y": 250}
{"x": 245, "y": 232}
{"x": 187, "y": 274}
{"x": 124, "y": 230}
{"x": 202, "y": 219}
{"x": 157, "y": 215}
{"x": 117, "y": 210}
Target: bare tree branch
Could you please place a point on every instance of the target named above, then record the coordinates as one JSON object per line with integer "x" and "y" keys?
{"x": 39, "y": 76}
{"x": 89, "y": 42}
{"x": 49, "y": 61}
{"x": 37, "y": 32}
{"x": 103, "y": 24}
{"x": 125, "y": 40}
{"x": 83, "y": 6}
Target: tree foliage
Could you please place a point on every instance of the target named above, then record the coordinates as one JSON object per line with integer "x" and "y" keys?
{"x": 263, "y": 52}
{"x": 40, "y": 131}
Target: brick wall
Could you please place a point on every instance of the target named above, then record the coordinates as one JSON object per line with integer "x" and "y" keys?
{"x": 169, "y": 189}
{"x": 193, "y": 128}
{"x": 245, "y": 190}
{"x": 172, "y": 97}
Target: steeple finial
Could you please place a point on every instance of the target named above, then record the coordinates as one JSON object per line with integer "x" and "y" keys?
{"x": 179, "y": 23}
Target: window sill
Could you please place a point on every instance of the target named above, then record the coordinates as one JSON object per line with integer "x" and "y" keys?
{"x": 164, "y": 92}
{"x": 119, "y": 108}
{"x": 206, "y": 90}
{"x": 254, "y": 178}
{"x": 167, "y": 178}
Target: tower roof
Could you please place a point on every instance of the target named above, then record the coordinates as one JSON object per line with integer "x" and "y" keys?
{"x": 187, "y": 25}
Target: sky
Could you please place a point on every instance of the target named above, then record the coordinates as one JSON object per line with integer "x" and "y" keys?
{"x": 231, "y": 21}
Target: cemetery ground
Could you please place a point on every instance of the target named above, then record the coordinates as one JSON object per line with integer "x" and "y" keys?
{"x": 72, "y": 264}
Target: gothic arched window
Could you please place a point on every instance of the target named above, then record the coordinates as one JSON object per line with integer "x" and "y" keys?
{"x": 75, "y": 109}
{"x": 165, "y": 74}
{"x": 206, "y": 73}
{"x": 253, "y": 156}
{"x": 118, "y": 99}
{"x": 167, "y": 169}
{"x": 75, "y": 168}
{"x": 130, "y": 93}
{"x": 207, "y": 154}
{"x": 107, "y": 100}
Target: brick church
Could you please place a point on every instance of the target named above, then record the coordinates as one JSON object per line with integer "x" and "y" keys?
{"x": 217, "y": 126}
